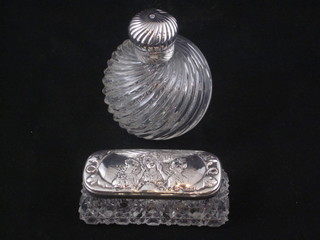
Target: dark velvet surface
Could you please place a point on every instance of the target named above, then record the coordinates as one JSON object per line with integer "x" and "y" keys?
{"x": 261, "y": 123}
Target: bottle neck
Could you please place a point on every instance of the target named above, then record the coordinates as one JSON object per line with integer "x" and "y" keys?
{"x": 154, "y": 55}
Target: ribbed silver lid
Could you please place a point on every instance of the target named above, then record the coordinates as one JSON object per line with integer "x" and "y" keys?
{"x": 153, "y": 28}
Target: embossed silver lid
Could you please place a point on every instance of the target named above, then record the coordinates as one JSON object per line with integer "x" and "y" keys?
{"x": 153, "y": 28}
{"x": 156, "y": 173}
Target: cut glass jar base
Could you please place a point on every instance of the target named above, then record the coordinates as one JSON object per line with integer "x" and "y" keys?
{"x": 212, "y": 211}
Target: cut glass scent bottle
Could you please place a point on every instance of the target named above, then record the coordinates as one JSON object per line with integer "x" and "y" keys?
{"x": 158, "y": 84}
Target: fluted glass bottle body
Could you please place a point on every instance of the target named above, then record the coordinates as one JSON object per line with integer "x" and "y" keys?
{"x": 158, "y": 101}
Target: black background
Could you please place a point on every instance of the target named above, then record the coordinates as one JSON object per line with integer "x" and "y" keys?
{"x": 261, "y": 122}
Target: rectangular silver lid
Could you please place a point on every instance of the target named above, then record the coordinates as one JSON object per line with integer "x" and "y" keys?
{"x": 152, "y": 173}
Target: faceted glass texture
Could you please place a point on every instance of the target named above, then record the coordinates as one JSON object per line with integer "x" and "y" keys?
{"x": 212, "y": 211}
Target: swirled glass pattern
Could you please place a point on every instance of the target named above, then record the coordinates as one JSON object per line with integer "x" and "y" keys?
{"x": 158, "y": 101}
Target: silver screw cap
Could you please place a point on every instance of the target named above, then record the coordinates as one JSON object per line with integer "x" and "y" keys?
{"x": 153, "y": 28}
